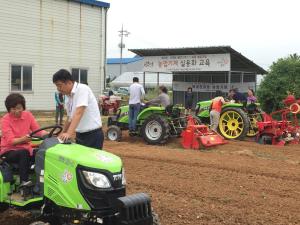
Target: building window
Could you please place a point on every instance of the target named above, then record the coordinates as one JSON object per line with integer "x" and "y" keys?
{"x": 204, "y": 78}
{"x": 80, "y": 75}
{"x": 250, "y": 77}
{"x": 21, "y": 78}
{"x": 178, "y": 77}
{"x": 219, "y": 78}
{"x": 236, "y": 77}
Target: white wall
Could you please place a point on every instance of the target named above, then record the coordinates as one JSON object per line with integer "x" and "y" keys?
{"x": 50, "y": 35}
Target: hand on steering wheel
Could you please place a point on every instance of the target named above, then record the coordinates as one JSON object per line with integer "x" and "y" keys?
{"x": 55, "y": 130}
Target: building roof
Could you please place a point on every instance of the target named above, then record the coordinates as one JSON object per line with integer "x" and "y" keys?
{"x": 237, "y": 59}
{"x": 124, "y": 60}
{"x": 93, "y": 3}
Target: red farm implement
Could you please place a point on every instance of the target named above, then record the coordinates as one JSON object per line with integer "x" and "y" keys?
{"x": 284, "y": 131}
{"x": 109, "y": 104}
{"x": 199, "y": 136}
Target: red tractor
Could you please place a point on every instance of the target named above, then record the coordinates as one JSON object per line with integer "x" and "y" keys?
{"x": 284, "y": 131}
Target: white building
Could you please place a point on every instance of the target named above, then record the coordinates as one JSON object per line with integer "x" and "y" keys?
{"x": 205, "y": 69}
{"x": 39, "y": 37}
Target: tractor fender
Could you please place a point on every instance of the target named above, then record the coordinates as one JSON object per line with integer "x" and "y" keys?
{"x": 202, "y": 108}
{"x": 233, "y": 105}
{"x": 150, "y": 111}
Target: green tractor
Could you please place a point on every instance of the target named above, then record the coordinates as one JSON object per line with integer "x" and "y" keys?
{"x": 236, "y": 120}
{"x": 78, "y": 185}
{"x": 155, "y": 124}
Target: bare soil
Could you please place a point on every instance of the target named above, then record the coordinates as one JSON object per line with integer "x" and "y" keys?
{"x": 238, "y": 183}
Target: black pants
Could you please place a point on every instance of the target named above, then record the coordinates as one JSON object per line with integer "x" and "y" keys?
{"x": 22, "y": 158}
{"x": 92, "y": 139}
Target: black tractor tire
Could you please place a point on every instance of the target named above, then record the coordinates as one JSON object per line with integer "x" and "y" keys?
{"x": 155, "y": 130}
{"x": 3, "y": 207}
{"x": 243, "y": 119}
{"x": 156, "y": 220}
{"x": 114, "y": 133}
{"x": 265, "y": 139}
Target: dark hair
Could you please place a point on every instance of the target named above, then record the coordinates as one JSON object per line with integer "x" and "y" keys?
{"x": 135, "y": 79}
{"x": 62, "y": 75}
{"x": 190, "y": 88}
{"x": 163, "y": 89}
{"x": 13, "y": 100}
{"x": 218, "y": 93}
{"x": 110, "y": 93}
{"x": 252, "y": 91}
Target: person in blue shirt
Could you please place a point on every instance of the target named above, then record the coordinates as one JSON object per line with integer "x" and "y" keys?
{"x": 238, "y": 97}
{"x": 60, "y": 107}
{"x": 188, "y": 99}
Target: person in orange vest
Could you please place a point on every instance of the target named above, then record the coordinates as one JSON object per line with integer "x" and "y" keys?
{"x": 215, "y": 110}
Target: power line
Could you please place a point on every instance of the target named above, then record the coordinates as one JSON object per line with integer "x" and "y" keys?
{"x": 122, "y": 33}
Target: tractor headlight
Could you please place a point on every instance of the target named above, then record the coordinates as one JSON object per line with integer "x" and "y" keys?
{"x": 97, "y": 179}
{"x": 123, "y": 177}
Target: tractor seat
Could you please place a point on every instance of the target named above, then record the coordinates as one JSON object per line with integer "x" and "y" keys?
{"x": 169, "y": 109}
{"x": 143, "y": 107}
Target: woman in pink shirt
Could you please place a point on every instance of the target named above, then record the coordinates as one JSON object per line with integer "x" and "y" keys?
{"x": 16, "y": 125}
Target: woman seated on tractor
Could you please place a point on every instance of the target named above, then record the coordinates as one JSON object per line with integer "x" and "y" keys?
{"x": 251, "y": 99}
{"x": 162, "y": 99}
{"x": 16, "y": 125}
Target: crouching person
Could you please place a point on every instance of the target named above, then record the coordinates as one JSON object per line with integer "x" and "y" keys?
{"x": 215, "y": 110}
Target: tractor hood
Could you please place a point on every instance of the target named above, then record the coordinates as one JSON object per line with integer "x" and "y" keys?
{"x": 206, "y": 104}
{"x": 75, "y": 154}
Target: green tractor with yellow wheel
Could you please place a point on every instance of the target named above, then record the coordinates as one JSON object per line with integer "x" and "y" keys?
{"x": 236, "y": 120}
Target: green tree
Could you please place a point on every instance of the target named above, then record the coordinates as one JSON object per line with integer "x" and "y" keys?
{"x": 283, "y": 77}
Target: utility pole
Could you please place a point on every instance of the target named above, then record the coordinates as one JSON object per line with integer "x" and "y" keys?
{"x": 122, "y": 33}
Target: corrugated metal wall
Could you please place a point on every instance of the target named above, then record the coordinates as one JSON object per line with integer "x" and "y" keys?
{"x": 50, "y": 35}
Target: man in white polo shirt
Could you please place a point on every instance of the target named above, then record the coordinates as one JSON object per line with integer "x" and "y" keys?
{"x": 136, "y": 94}
{"x": 82, "y": 111}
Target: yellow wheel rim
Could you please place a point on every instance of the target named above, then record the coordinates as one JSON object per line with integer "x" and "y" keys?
{"x": 253, "y": 126}
{"x": 231, "y": 124}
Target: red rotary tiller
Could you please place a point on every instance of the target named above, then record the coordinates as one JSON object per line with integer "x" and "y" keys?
{"x": 198, "y": 136}
{"x": 108, "y": 104}
{"x": 287, "y": 130}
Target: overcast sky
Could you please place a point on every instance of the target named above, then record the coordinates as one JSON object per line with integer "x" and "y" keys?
{"x": 262, "y": 30}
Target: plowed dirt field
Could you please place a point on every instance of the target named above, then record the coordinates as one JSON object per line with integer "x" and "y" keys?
{"x": 238, "y": 183}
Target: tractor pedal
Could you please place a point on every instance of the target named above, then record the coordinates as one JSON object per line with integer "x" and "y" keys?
{"x": 133, "y": 133}
{"x": 26, "y": 189}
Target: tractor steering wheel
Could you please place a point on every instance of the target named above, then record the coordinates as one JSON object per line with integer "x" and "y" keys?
{"x": 52, "y": 132}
